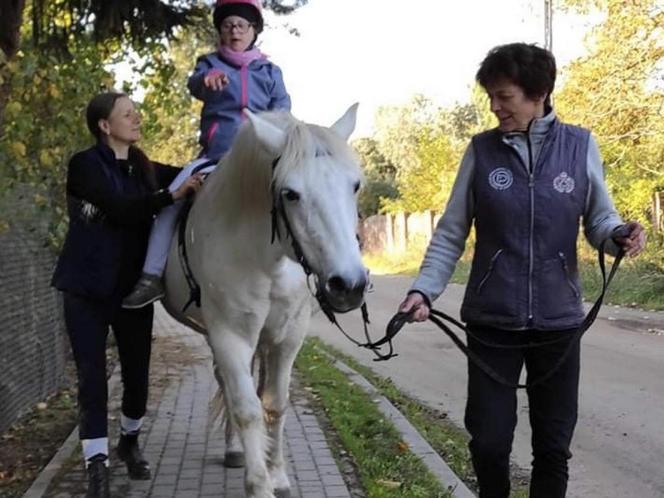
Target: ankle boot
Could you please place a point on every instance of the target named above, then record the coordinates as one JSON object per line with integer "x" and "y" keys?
{"x": 130, "y": 454}
{"x": 97, "y": 477}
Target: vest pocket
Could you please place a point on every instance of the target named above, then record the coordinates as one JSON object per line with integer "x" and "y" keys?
{"x": 488, "y": 272}
{"x": 563, "y": 260}
{"x": 495, "y": 293}
{"x": 558, "y": 295}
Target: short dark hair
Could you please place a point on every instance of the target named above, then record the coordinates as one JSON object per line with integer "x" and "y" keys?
{"x": 100, "y": 107}
{"x": 526, "y": 65}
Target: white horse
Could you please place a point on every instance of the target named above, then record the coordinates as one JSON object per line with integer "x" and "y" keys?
{"x": 254, "y": 292}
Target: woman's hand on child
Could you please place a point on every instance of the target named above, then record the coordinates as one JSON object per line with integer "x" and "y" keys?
{"x": 215, "y": 79}
{"x": 190, "y": 185}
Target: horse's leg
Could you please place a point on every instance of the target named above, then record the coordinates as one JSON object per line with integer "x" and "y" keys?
{"x": 233, "y": 355}
{"x": 279, "y": 364}
{"x": 233, "y": 454}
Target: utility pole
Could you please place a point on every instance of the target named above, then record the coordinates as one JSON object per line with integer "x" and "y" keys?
{"x": 548, "y": 25}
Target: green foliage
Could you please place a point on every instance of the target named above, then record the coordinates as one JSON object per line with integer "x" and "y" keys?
{"x": 616, "y": 91}
{"x": 425, "y": 143}
{"x": 58, "y": 23}
{"x": 44, "y": 121}
{"x": 171, "y": 115}
{"x": 379, "y": 177}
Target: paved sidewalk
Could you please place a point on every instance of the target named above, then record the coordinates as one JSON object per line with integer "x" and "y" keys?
{"x": 186, "y": 461}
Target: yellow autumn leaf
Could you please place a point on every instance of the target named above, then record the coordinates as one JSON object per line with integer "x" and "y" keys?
{"x": 19, "y": 148}
{"x": 45, "y": 158}
{"x": 54, "y": 91}
{"x": 13, "y": 108}
{"x": 40, "y": 200}
{"x": 388, "y": 483}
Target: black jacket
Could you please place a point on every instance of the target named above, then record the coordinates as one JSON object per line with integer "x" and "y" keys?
{"x": 111, "y": 205}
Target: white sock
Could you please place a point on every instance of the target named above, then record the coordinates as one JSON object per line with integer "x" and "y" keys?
{"x": 92, "y": 447}
{"x": 130, "y": 425}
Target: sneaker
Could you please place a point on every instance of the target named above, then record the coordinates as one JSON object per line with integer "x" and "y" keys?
{"x": 147, "y": 290}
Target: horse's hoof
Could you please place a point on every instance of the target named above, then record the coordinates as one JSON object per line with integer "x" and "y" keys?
{"x": 282, "y": 493}
{"x": 234, "y": 459}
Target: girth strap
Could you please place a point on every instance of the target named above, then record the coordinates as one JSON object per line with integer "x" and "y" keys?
{"x": 183, "y": 216}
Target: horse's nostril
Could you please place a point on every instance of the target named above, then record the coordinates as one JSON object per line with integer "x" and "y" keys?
{"x": 336, "y": 285}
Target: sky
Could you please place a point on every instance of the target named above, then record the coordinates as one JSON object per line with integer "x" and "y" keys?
{"x": 382, "y": 52}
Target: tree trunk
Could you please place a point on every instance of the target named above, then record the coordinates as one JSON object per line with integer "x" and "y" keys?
{"x": 11, "y": 18}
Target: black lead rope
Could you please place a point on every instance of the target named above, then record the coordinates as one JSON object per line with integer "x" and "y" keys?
{"x": 438, "y": 317}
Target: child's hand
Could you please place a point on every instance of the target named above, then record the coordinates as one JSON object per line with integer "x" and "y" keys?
{"x": 215, "y": 79}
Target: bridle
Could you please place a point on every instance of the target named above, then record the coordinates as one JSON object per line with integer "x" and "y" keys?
{"x": 279, "y": 212}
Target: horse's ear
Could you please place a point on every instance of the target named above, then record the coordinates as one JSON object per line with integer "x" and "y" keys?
{"x": 345, "y": 125}
{"x": 269, "y": 136}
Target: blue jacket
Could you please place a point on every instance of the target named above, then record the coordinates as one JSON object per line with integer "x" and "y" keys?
{"x": 111, "y": 205}
{"x": 258, "y": 86}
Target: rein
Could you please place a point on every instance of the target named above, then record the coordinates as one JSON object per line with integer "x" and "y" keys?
{"x": 439, "y": 318}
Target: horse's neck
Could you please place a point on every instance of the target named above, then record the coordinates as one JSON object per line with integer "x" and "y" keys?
{"x": 240, "y": 227}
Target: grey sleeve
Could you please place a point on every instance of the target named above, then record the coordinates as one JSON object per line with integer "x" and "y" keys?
{"x": 600, "y": 218}
{"x": 449, "y": 238}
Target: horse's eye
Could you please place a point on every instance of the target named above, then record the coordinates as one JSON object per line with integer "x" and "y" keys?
{"x": 290, "y": 195}
{"x": 356, "y": 187}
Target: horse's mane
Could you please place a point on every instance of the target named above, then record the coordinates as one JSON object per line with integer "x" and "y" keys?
{"x": 244, "y": 176}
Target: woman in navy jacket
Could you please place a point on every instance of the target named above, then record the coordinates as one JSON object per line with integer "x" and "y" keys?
{"x": 113, "y": 193}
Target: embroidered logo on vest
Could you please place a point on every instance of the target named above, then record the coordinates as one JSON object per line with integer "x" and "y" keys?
{"x": 563, "y": 183}
{"x": 501, "y": 178}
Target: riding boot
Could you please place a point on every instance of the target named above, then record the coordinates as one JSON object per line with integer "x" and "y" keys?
{"x": 130, "y": 454}
{"x": 98, "y": 486}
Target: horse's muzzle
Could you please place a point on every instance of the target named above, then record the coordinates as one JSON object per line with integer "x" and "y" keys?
{"x": 345, "y": 293}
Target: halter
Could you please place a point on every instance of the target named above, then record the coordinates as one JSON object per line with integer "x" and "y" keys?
{"x": 278, "y": 211}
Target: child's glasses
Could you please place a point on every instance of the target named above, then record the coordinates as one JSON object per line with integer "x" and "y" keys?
{"x": 241, "y": 26}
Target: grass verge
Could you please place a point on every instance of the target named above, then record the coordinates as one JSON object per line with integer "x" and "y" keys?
{"x": 385, "y": 464}
{"x": 446, "y": 438}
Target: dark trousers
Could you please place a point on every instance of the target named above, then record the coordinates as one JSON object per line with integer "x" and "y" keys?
{"x": 87, "y": 324}
{"x": 491, "y": 410}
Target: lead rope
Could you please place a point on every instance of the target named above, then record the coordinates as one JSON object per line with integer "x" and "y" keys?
{"x": 437, "y": 317}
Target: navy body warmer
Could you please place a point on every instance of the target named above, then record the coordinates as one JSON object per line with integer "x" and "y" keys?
{"x": 524, "y": 272}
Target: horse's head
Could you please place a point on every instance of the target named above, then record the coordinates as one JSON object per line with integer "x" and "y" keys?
{"x": 315, "y": 180}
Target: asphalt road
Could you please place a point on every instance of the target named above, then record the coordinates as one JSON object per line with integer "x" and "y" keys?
{"x": 618, "y": 445}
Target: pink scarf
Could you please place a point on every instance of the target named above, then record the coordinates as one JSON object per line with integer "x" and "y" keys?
{"x": 240, "y": 59}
